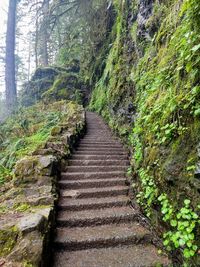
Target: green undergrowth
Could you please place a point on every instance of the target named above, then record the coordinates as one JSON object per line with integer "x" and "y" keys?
{"x": 29, "y": 129}
{"x": 112, "y": 87}
{"x": 163, "y": 84}
{"x": 165, "y": 135}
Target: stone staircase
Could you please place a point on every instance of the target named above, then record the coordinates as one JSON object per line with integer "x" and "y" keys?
{"x": 96, "y": 225}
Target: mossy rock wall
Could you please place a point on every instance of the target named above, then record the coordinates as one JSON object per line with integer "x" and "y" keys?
{"x": 27, "y": 201}
{"x": 149, "y": 94}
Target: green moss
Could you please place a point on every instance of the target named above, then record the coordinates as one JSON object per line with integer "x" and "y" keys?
{"x": 164, "y": 86}
{"x": 28, "y": 264}
{"x": 8, "y": 239}
{"x": 22, "y": 207}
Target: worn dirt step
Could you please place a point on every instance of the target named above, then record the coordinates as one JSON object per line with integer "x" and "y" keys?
{"x": 72, "y": 169}
{"x": 101, "y": 236}
{"x": 97, "y": 217}
{"x": 76, "y": 184}
{"x": 92, "y": 175}
{"x": 122, "y": 256}
{"x": 99, "y": 157}
{"x": 96, "y": 192}
{"x": 92, "y": 203}
{"x": 102, "y": 162}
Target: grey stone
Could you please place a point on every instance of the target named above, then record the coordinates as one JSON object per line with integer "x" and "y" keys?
{"x": 29, "y": 248}
{"x": 29, "y": 192}
{"x": 31, "y": 222}
{"x": 197, "y": 171}
{"x": 46, "y": 161}
{"x": 198, "y": 150}
{"x": 45, "y": 212}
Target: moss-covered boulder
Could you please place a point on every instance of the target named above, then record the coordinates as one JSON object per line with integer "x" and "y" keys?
{"x": 50, "y": 84}
{"x": 30, "y": 168}
{"x": 42, "y": 80}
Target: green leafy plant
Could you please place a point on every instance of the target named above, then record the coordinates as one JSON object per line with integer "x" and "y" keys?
{"x": 147, "y": 196}
{"x": 183, "y": 225}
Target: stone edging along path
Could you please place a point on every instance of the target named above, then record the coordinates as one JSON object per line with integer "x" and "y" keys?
{"x": 25, "y": 237}
{"x": 96, "y": 224}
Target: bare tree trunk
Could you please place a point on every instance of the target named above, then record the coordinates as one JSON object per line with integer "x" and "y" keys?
{"x": 29, "y": 60}
{"x": 11, "y": 91}
{"x": 36, "y": 40}
{"x": 44, "y": 33}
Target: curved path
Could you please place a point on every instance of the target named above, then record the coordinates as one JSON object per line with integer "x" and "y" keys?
{"x": 96, "y": 226}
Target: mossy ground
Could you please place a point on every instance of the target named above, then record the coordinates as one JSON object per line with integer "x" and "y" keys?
{"x": 27, "y": 130}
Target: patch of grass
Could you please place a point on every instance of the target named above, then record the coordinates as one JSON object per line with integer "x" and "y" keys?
{"x": 27, "y": 130}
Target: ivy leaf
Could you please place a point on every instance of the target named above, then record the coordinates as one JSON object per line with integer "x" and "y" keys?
{"x": 181, "y": 242}
{"x": 194, "y": 247}
{"x": 189, "y": 244}
{"x": 187, "y": 202}
{"x": 195, "y": 216}
{"x": 186, "y": 253}
{"x": 166, "y": 242}
{"x": 173, "y": 223}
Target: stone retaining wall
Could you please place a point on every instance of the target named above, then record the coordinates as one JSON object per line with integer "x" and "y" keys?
{"x": 25, "y": 237}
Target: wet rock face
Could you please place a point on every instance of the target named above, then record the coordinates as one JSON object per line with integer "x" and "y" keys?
{"x": 144, "y": 12}
{"x": 47, "y": 73}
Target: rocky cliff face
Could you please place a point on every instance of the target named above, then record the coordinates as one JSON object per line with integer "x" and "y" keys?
{"x": 149, "y": 93}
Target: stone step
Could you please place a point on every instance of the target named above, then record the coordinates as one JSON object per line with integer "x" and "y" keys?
{"x": 102, "y": 236}
{"x": 122, "y": 256}
{"x": 92, "y": 203}
{"x": 88, "y": 183}
{"x": 97, "y": 134}
{"x": 95, "y": 192}
{"x": 85, "y": 169}
{"x": 99, "y": 139}
{"x": 96, "y": 225}
{"x": 99, "y": 146}
{"x": 99, "y": 152}
{"x": 99, "y": 157}
{"x": 97, "y": 217}
{"x": 99, "y": 143}
{"x": 106, "y": 149}
{"x": 103, "y": 162}
{"x": 92, "y": 175}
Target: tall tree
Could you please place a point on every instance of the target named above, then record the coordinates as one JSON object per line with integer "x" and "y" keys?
{"x": 11, "y": 91}
{"x": 44, "y": 34}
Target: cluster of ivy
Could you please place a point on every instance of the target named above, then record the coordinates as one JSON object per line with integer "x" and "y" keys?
{"x": 183, "y": 222}
{"x": 147, "y": 196}
{"x": 183, "y": 225}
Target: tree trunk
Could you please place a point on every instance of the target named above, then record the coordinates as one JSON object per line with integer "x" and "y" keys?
{"x": 36, "y": 39}
{"x": 44, "y": 35}
{"x": 11, "y": 91}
